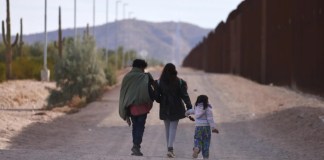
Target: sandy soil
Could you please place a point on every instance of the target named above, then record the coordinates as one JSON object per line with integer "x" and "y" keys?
{"x": 255, "y": 122}
{"x": 21, "y": 104}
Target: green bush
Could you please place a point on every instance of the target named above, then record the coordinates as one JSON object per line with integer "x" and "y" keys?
{"x": 26, "y": 68}
{"x": 110, "y": 73}
{"x": 78, "y": 73}
{"x": 2, "y": 72}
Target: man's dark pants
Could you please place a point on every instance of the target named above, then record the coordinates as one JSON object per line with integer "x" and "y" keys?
{"x": 138, "y": 129}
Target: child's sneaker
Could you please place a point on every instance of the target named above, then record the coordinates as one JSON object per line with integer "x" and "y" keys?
{"x": 195, "y": 152}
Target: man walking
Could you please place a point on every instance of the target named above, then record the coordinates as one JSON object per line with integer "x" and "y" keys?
{"x": 135, "y": 101}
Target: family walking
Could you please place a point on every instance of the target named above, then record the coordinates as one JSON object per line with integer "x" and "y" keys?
{"x": 139, "y": 90}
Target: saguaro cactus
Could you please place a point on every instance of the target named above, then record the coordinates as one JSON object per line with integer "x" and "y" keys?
{"x": 21, "y": 42}
{"x": 60, "y": 41}
{"x": 87, "y": 31}
{"x": 6, "y": 36}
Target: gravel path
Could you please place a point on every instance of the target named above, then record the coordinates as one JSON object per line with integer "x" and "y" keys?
{"x": 256, "y": 122}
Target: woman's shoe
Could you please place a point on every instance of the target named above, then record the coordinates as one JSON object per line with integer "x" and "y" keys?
{"x": 170, "y": 154}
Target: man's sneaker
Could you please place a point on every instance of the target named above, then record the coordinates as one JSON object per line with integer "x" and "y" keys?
{"x": 195, "y": 152}
{"x": 136, "y": 151}
{"x": 170, "y": 154}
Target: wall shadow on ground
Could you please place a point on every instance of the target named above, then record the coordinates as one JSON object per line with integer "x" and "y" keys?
{"x": 295, "y": 133}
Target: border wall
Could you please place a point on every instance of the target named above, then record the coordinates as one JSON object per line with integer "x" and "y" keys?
{"x": 268, "y": 41}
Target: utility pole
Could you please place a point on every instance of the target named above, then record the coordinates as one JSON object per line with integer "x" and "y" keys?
{"x": 75, "y": 29}
{"x": 107, "y": 11}
{"x": 124, "y": 35}
{"x": 116, "y": 19}
{"x": 94, "y": 17}
{"x": 45, "y": 73}
{"x": 124, "y": 10}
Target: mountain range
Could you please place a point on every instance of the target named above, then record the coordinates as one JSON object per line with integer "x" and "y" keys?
{"x": 164, "y": 41}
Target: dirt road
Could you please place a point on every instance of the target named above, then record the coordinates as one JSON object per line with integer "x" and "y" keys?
{"x": 252, "y": 120}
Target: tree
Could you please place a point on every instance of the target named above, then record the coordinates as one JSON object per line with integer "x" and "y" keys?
{"x": 79, "y": 73}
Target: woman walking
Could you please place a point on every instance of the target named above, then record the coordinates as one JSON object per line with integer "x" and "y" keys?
{"x": 171, "y": 92}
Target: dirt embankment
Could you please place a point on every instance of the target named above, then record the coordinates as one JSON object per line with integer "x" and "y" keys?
{"x": 290, "y": 119}
{"x": 21, "y": 104}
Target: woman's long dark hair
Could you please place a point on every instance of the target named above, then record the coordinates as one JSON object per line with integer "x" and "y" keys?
{"x": 169, "y": 74}
{"x": 202, "y": 99}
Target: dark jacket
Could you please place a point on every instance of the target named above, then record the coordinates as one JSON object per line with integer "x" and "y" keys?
{"x": 171, "y": 98}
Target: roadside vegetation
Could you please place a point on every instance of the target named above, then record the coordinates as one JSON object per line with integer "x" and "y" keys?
{"x": 82, "y": 72}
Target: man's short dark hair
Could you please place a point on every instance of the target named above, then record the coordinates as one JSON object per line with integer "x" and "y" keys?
{"x": 139, "y": 63}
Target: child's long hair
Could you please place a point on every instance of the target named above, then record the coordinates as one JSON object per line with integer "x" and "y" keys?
{"x": 202, "y": 99}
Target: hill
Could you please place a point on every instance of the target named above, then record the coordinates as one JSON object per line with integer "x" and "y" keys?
{"x": 166, "y": 41}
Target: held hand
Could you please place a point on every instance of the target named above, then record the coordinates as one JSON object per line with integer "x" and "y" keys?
{"x": 215, "y": 130}
{"x": 188, "y": 112}
{"x": 192, "y": 119}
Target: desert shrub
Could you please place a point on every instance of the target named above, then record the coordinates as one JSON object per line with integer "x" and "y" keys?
{"x": 78, "y": 73}
{"x": 109, "y": 68}
{"x": 110, "y": 73}
{"x": 37, "y": 49}
{"x": 26, "y": 68}
{"x": 2, "y": 72}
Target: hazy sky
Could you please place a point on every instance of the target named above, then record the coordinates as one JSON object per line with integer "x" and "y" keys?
{"x": 204, "y": 13}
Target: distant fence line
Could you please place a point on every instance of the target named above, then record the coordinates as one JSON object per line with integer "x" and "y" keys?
{"x": 268, "y": 41}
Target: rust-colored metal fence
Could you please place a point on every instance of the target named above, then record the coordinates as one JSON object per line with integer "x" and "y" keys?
{"x": 268, "y": 41}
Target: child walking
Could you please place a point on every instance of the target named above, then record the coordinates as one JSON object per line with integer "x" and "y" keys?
{"x": 204, "y": 126}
